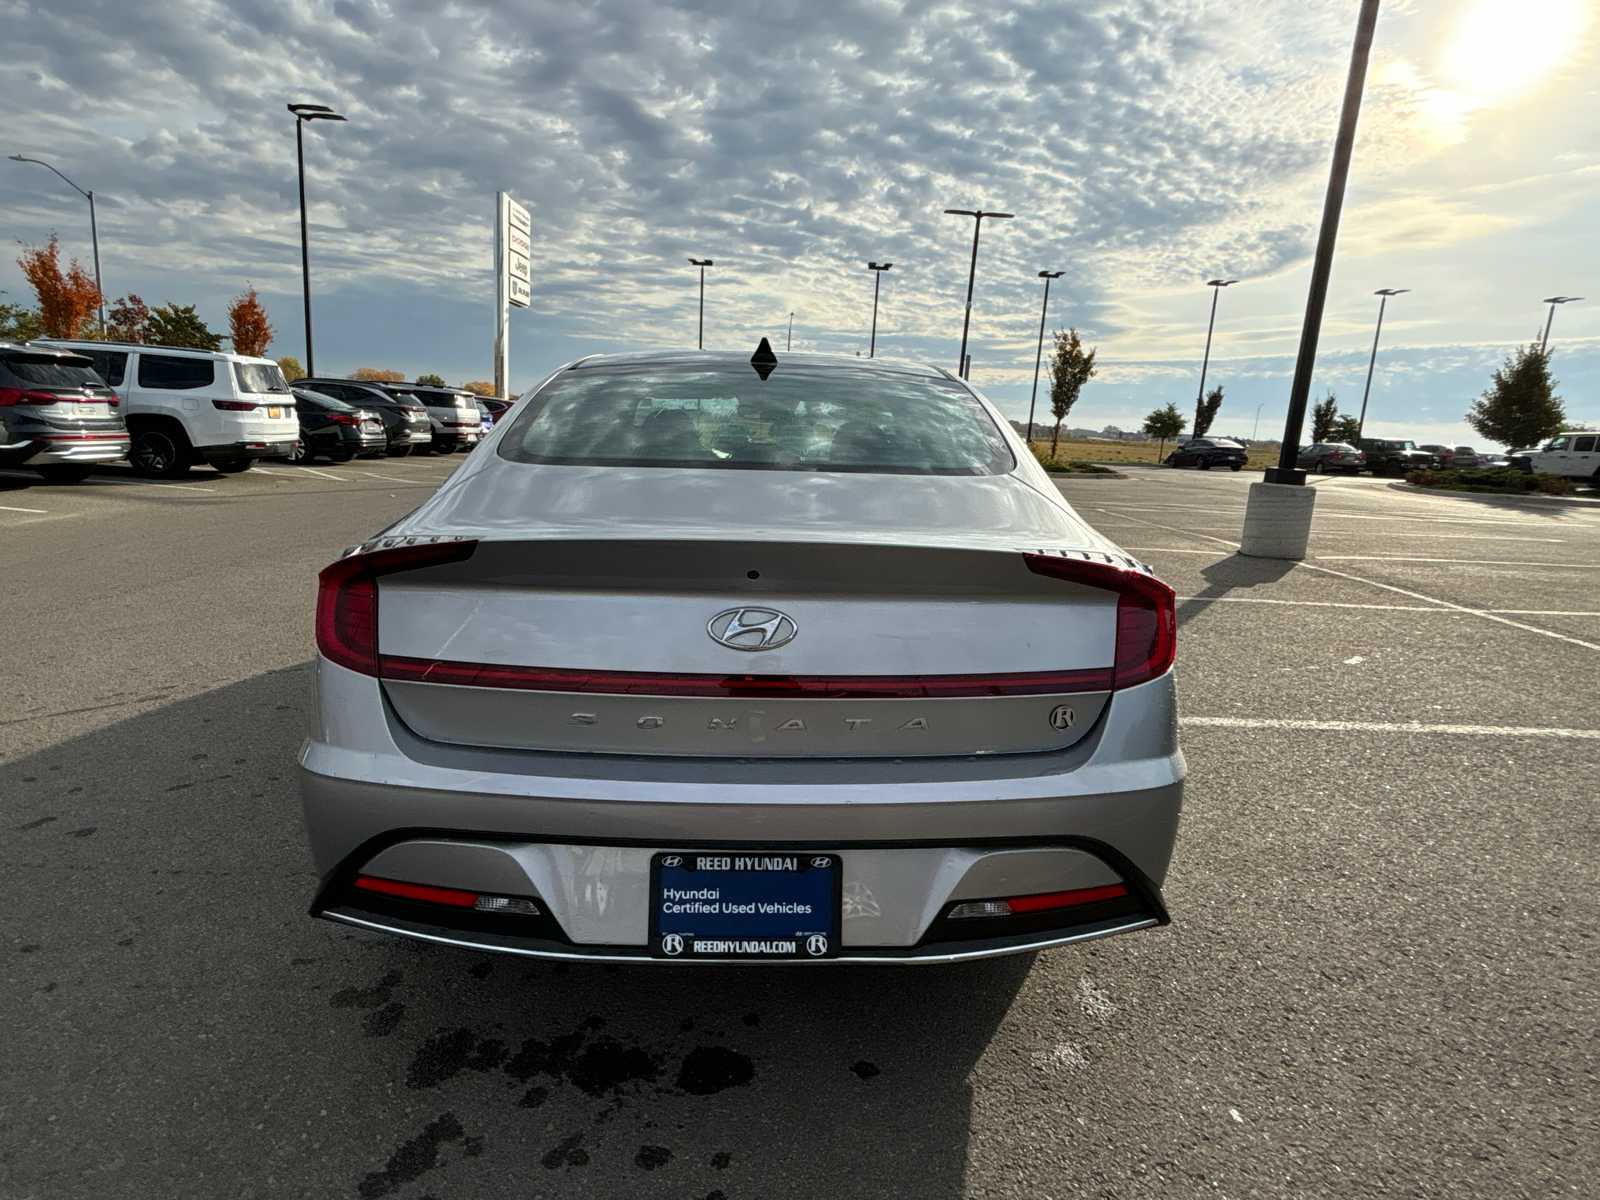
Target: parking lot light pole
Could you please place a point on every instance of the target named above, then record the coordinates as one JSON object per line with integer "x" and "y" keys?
{"x": 1361, "y": 421}
{"x": 1038, "y": 355}
{"x": 1216, "y": 286}
{"x": 788, "y": 344}
{"x": 1277, "y": 518}
{"x": 877, "y": 270}
{"x": 702, "y": 263}
{"x": 1552, "y": 301}
{"x": 302, "y": 114}
{"x": 977, "y": 215}
{"x": 94, "y": 233}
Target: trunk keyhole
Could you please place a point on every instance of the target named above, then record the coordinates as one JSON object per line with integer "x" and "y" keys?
{"x": 753, "y": 574}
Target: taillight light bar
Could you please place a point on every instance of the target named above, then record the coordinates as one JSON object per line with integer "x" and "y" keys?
{"x": 11, "y": 397}
{"x": 1038, "y": 903}
{"x": 347, "y": 597}
{"x": 235, "y": 405}
{"x": 452, "y": 897}
{"x": 819, "y": 687}
{"x": 1147, "y": 617}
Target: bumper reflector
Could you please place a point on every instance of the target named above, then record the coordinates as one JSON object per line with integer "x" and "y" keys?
{"x": 516, "y": 905}
{"x": 1029, "y": 904}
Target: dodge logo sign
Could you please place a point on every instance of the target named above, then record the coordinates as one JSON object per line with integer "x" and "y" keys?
{"x": 752, "y": 629}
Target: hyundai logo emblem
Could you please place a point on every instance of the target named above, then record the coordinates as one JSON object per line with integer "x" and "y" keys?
{"x": 752, "y": 629}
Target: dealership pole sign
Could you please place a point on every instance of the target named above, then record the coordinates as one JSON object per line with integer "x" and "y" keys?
{"x": 513, "y": 280}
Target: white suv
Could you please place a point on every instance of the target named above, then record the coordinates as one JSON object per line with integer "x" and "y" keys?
{"x": 185, "y": 407}
{"x": 1575, "y": 454}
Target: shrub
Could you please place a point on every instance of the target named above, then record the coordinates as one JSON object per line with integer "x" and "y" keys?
{"x": 1511, "y": 480}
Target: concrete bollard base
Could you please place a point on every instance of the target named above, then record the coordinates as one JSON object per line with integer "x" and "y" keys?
{"x": 1277, "y": 521}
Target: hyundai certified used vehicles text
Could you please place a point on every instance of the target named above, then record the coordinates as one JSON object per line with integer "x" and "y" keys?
{"x": 334, "y": 429}
{"x": 405, "y": 420}
{"x": 705, "y": 656}
{"x": 1206, "y": 453}
{"x": 57, "y": 417}
{"x": 1326, "y": 457}
{"x": 187, "y": 407}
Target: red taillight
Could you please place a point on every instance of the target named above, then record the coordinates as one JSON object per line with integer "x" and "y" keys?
{"x": 11, "y": 397}
{"x": 1037, "y": 903}
{"x": 344, "y": 418}
{"x": 1147, "y": 618}
{"x": 417, "y": 891}
{"x": 347, "y": 598}
{"x": 114, "y": 401}
{"x": 234, "y": 405}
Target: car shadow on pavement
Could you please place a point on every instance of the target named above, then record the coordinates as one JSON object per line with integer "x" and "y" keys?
{"x": 186, "y": 1029}
{"x": 1229, "y": 575}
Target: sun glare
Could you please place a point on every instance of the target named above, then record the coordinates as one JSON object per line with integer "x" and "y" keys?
{"x": 1499, "y": 51}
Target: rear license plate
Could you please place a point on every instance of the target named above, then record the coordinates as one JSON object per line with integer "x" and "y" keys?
{"x": 744, "y": 904}
{"x": 274, "y": 414}
{"x": 370, "y": 426}
{"x": 88, "y": 410}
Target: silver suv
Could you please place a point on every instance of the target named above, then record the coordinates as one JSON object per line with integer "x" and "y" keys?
{"x": 57, "y": 416}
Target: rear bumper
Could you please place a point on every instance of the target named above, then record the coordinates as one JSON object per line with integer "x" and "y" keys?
{"x": 232, "y": 451}
{"x": 77, "y": 448}
{"x": 908, "y": 832}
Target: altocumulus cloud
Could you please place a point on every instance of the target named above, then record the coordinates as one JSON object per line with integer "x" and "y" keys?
{"x": 789, "y": 141}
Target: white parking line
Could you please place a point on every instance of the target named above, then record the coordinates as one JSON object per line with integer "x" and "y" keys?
{"x": 1388, "y": 587}
{"x": 390, "y": 478}
{"x": 1328, "y": 604}
{"x": 1463, "y": 562}
{"x": 12, "y": 508}
{"x": 1536, "y": 731}
{"x": 324, "y": 474}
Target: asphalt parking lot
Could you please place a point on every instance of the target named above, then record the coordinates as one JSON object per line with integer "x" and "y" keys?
{"x": 1379, "y": 981}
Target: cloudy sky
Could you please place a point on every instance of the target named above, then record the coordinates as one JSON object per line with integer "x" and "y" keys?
{"x": 1145, "y": 148}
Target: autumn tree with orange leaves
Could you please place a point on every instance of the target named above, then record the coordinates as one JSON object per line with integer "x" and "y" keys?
{"x": 65, "y": 300}
{"x": 248, "y": 320}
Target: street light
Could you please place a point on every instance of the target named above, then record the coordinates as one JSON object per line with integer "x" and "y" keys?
{"x": 877, "y": 270}
{"x": 963, "y": 363}
{"x": 789, "y": 344}
{"x": 703, "y": 263}
{"x": 1552, "y": 301}
{"x": 1038, "y": 356}
{"x": 1216, "y": 286}
{"x": 1361, "y": 421}
{"x": 302, "y": 114}
{"x": 94, "y": 232}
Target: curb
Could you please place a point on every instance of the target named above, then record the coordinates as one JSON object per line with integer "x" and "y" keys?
{"x": 1572, "y": 501}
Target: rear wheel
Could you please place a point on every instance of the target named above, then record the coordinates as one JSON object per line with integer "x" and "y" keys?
{"x": 1204, "y": 464}
{"x": 159, "y": 453}
{"x": 234, "y": 466}
{"x": 1236, "y": 466}
{"x": 65, "y": 472}
{"x": 300, "y": 455}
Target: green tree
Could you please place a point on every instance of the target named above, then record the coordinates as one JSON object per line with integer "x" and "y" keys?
{"x": 1346, "y": 429}
{"x": 130, "y": 319}
{"x": 19, "y": 324}
{"x": 291, "y": 368}
{"x": 1165, "y": 423}
{"x": 1206, "y": 411}
{"x": 1520, "y": 407}
{"x": 431, "y": 380}
{"x": 1070, "y": 368}
{"x": 180, "y": 325}
{"x": 1323, "y": 415}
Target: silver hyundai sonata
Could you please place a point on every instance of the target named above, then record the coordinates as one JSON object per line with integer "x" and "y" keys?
{"x": 707, "y": 657}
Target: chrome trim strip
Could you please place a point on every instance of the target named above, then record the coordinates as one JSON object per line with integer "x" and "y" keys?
{"x": 465, "y": 942}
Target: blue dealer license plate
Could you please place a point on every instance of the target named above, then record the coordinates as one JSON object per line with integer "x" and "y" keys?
{"x": 738, "y": 904}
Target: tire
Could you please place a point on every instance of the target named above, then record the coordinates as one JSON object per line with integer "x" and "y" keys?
{"x": 157, "y": 452}
{"x": 234, "y": 466}
{"x": 398, "y": 451}
{"x": 1204, "y": 464}
{"x": 300, "y": 455}
{"x": 1236, "y": 467}
{"x": 54, "y": 473}
{"x": 341, "y": 456}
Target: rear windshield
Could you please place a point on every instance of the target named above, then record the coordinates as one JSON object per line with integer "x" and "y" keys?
{"x": 260, "y": 377}
{"x": 726, "y": 416}
{"x": 51, "y": 371}
{"x": 323, "y": 402}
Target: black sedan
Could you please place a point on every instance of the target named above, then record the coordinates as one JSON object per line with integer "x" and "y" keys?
{"x": 334, "y": 429}
{"x": 1206, "y": 453}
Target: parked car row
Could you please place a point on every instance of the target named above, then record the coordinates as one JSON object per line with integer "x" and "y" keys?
{"x": 66, "y": 405}
{"x": 1385, "y": 456}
